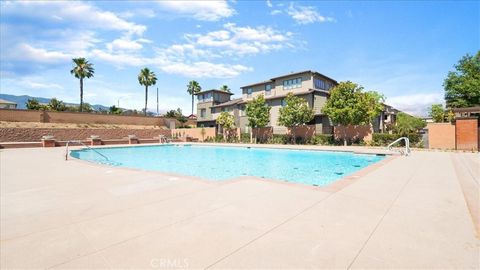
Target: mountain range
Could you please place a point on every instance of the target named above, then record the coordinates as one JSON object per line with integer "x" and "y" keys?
{"x": 22, "y": 100}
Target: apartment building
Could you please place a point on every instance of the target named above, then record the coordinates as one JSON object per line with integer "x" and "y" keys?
{"x": 206, "y": 100}
{"x": 310, "y": 85}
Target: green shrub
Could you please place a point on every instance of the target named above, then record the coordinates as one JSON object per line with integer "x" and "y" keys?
{"x": 384, "y": 139}
{"x": 219, "y": 138}
{"x": 245, "y": 137}
{"x": 321, "y": 139}
{"x": 279, "y": 139}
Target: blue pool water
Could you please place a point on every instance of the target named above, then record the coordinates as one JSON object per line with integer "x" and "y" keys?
{"x": 220, "y": 163}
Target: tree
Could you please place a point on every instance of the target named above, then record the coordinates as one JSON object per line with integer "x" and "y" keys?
{"x": 82, "y": 69}
{"x": 462, "y": 87}
{"x": 33, "y": 104}
{"x": 86, "y": 107}
{"x": 115, "y": 110}
{"x": 349, "y": 105}
{"x": 146, "y": 78}
{"x": 56, "y": 105}
{"x": 182, "y": 119}
{"x": 258, "y": 113}
{"x": 406, "y": 124}
{"x": 227, "y": 121}
{"x": 193, "y": 88}
{"x": 437, "y": 113}
{"x": 296, "y": 112}
{"x": 225, "y": 88}
{"x": 171, "y": 114}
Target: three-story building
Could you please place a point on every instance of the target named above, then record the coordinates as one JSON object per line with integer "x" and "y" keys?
{"x": 310, "y": 85}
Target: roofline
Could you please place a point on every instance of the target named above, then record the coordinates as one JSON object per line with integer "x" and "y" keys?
{"x": 237, "y": 101}
{"x": 309, "y": 91}
{"x": 290, "y": 74}
{"x": 214, "y": 90}
{"x": 7, "y": 101}
{"x": 467, "y": 109}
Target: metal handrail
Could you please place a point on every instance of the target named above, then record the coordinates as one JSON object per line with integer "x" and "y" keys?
{"x": 407, "y": 145}
{"x": 80, "y": 142}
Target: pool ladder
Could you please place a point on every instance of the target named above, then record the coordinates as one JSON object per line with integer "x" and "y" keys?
{"x": 407, "y": 146}
{"x": 80, "y": 142}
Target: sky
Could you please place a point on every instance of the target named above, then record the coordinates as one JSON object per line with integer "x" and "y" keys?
{"x": 402, "y": 49}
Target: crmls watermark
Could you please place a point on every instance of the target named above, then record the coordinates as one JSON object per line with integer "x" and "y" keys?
{"x": 169, "y": 263}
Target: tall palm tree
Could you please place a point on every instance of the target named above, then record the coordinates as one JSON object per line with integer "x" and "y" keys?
{"x": 146, "y": 78}
{"x": 193, "y": 88}
{"x": 225, "y": 88}
{"x": 82, "y": 69}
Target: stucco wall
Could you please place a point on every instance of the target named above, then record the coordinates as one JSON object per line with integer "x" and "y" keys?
{"x": 353, "y": 132}
{"x": 467, "y": 134}
{"x": 194, "y": 132}
{"x": 81, "y": 118}
{"x": 63, "y": 134}
{"x": 441, "y": 136}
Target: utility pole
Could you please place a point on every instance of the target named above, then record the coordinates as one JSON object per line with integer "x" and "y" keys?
{"x": 157, "y": 103}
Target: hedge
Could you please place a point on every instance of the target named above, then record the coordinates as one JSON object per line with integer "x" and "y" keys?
{"x": 384, "y": 139}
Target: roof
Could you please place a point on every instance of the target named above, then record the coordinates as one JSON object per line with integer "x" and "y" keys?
{"x": 290, "y": 74}
{"x": 228, "y": 103}
{"x": 467, "y": 109}
{"x": 214, "y": 90}
{"x": 299, "y": 93}
{"x": 3, "y": 101}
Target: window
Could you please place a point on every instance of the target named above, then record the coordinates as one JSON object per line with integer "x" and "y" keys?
{"x": 320, "y": 84}
{"x": 268, "y": 89}
{"x": 284, "y": 102}
{"x": 292, "y": 83}
{"x": 212, "y": 110}
{"x": 203, "y": 112}
{"x": 243, "y": 111}
{"x": 249, "y": 92}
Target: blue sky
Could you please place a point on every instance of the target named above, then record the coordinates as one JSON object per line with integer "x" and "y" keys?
{"x": 402, "y": 49}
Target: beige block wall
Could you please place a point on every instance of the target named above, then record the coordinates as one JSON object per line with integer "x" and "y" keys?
{"x": 64, "y": 134}
{"x": 194, "y": 133}
{"x": 441, "y": 136}
{"x": 353, "y": 132}
{"x": 80, "y": 118}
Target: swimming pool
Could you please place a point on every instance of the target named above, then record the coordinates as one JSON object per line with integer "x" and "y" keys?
{"x": 317, "y": 168}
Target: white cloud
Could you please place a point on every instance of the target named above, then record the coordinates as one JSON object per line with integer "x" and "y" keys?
{"x": 200, "y": 10}
{"x": 126, "y": 44}
{"x": 415, "y": 104}
{"x": 80, "y": 13}
{"x": 269, "y": 3}
{"x": 26, "y": 52}
{"x": 276, "y": 12}
{"x": 205, "y": 69}
{"x": 306, "y": 14}
{"x": 238, "y": 41}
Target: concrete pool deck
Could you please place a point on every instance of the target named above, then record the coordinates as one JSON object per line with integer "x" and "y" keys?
{"x": 411, "y": 212}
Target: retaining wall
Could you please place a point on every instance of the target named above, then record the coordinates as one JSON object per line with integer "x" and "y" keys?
{"x": 63, "y": 134}
{"x": 14, "y": 115}
{"x": 353, "y": 133}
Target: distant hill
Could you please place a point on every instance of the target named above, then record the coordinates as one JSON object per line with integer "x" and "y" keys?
{"x": 21, "y": 100}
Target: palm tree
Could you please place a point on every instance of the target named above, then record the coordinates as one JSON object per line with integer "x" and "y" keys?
{"x": 82, "y": 69}
{"x": 225, "y": 88}
{"x": 146, "y": 78}
{"x": 193, "y": 89}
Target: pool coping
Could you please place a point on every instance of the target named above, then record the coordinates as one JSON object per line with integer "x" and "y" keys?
{"x": 333, "y": 187}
